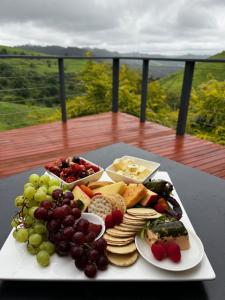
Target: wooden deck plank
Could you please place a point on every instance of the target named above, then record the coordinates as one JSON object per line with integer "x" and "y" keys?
{"x": 24, "y": 148}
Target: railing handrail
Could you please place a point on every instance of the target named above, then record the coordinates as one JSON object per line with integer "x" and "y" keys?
{"x": 216, "y": 60}
{"x": 186, "y": 86}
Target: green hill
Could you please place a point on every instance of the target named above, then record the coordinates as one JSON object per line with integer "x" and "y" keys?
{"x": 43, "y": 66}
{"x": 202, "y": 73}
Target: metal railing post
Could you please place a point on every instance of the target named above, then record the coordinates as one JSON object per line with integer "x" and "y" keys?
{"x": 115, "y": 84}
{"x": 185, "y": 96}
{"x": 62, "y": 89}
{"x": 144, "y": 89}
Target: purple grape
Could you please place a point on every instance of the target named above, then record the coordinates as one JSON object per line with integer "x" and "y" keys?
{"x": 46, "y": 204}
{"x": 76, "y": 252}
{"x": 68, "y": 220}
{"x": 83, "y": 225}
{"x": 76, "y": 213}
{"x": 81, "y": 262}
{"x": 68, "y": 232}
{"x": 90, "y": 237}
{"x": 66, "y": 201}
{"x": 73, "y": 204}
{"x": 56, "y": 194}
{"x": 62, "y": 248}
{"x": 58, "y": 213}
{"x": 40, "y": 213}
{"x": 93, "y": 255}
{"x": 53, "y": 225}
{"x": 69, "y": 195}
{"x": 90, "y": 270}
{"x": 49, "y": 215}
{"x": 102, "y": 263}
{"x": 101, "y": 245}
{"x": 66, "y": 209}
{"x": 78, "y": 238}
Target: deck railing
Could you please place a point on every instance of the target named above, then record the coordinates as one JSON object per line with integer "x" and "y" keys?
{"x": 185, "y": 92}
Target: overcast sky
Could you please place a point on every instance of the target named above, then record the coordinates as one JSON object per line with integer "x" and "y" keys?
{"x": 149, "y": 26}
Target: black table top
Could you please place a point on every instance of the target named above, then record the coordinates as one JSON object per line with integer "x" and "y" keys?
{"x": 203, "y": 197}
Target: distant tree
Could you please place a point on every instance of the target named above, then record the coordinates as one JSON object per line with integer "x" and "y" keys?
{"x": 3, "y": 51}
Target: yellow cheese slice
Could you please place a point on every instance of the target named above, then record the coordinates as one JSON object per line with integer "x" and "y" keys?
{"x": 80, "y": 195}
{"x": 115, "y": 188}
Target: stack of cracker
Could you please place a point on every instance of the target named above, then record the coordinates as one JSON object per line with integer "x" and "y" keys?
{"x": 121, "y": 249}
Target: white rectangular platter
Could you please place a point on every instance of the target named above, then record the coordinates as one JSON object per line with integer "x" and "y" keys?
{"x": 17, "y": 264}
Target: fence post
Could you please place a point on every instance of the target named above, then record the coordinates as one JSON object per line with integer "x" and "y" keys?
{"x": 115, "y": 84}
{"x": 144, "y": 89}
{"x": 62, "y": 89}
{"x": 185, "y": 96}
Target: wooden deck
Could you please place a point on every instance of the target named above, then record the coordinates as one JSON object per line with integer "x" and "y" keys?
{"x": 24, "y": 148}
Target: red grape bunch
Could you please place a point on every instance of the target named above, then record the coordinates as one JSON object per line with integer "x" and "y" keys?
{"x": 71, "y": 234}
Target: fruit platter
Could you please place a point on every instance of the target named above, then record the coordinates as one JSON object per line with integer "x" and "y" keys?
{"x": 74, "y": 222}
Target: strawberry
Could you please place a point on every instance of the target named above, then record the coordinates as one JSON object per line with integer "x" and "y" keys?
{"x": 109, "y": 221}
{"x": 173, "y": 251}
{"x": 159, "y": 250}
{"x": 117, "y": 216}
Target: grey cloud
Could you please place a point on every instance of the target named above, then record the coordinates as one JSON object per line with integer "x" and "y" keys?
{"x": 122, "y": 25}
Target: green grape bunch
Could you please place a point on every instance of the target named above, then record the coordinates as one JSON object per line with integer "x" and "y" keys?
{"x": 27, "y": 229}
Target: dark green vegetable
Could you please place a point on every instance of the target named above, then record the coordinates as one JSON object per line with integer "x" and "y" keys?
{"x": 171, "y": 228}
{"x": 161, "y": 187}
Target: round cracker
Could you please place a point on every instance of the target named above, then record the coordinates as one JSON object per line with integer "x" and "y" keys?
{"x": 131, "y": 226}
{"x": 118, "y": 233}
{"x": 117, "y": 244}
{"x": 108, "y": 237}
{"x": 118, "y": 202}
{"x": 122, "y": 260}
{"x": 122, "y": 250}
{"x": 101, "y": 206}
{"x": 133, "y": 222}
{"x": 130, "y": 217}
{"x": 126, "y": 229}
{"x": 141, "y": 211}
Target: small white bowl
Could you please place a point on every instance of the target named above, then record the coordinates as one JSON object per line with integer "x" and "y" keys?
{"x": 153, "y": 166}
{"x": 71, "y": 185}
{"x": 96, "y": 220}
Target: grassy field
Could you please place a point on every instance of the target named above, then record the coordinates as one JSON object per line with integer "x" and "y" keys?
{"x": 14, "y": 115}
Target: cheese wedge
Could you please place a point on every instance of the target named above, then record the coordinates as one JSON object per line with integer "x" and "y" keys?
{"x": 134, "y": 193}
{"x": 80, "y": 195}
{"x": 115, "y": 188}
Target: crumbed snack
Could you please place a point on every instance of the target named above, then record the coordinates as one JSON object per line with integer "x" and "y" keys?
{"x": 101, "y": 206}
{"x": 134, "y": 193}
